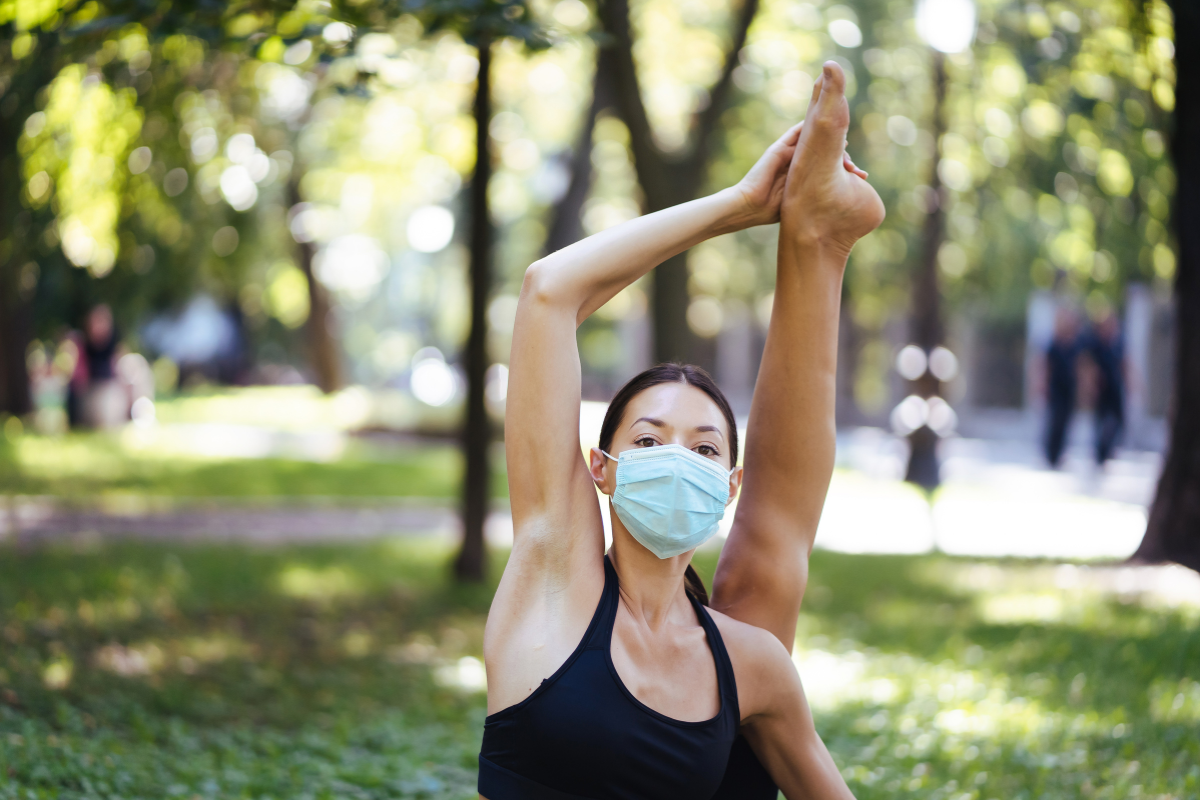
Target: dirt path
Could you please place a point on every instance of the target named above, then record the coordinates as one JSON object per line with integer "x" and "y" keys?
{"x": 29, "y": 521}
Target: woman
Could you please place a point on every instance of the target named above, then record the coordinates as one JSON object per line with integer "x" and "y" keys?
{"x": 606, "y": 678}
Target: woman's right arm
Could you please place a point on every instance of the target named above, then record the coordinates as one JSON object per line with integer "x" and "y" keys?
{"x": 546, "y": 470}
{"x": 555, "y": 573}
{"x": 548, "y": 478}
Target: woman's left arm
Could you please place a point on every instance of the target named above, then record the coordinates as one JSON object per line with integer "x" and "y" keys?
{"x": 776, "y": 718}
{"x": 786, "y": 742}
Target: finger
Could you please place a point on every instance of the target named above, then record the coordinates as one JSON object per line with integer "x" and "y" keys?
{"x": 792, "y": 135}
{"x": 852, "y": 167}
{"x": 789, "y": 138}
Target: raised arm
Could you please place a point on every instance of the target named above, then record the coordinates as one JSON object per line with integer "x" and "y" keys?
{"x": 790, "y": 443}
{"x": 546, "y": 470}
{"x": 555, "y": 573}
{"x": 541, "y": 427}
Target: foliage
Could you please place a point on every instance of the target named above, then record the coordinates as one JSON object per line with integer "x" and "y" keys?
{"x": 226, "y": 671}
{"x": 1055, "y": 158}
{"x": 1055, "y": 150}
{"x": 215, "y": 672}
{"x": 135, "y": 224}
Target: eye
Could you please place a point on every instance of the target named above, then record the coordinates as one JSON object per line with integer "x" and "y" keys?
{"x": 707, "y": 450}
{"x": 645, "y": 441}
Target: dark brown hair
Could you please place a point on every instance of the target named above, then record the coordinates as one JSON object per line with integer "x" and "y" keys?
{"x": 655, "y": 376}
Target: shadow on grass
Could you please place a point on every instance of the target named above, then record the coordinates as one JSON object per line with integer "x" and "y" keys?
{"x": 318, "y": 671}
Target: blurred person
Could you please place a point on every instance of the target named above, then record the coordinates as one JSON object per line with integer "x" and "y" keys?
{"x": 48, "y": 382}
{"x": 1106, "y": 347}
{"x": 71, "y": 352}
{"x": 104, "y": 401}
{"x": 608, "y": 674}
{"x": 1060, "y": 383}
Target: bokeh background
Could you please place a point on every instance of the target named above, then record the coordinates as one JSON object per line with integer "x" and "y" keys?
{"x": 257, "y": 289}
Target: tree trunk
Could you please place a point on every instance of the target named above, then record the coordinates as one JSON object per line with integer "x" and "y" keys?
{"x": 16, "y": 103}
{"x": 15, "y": 397}
{"x": 476, "y": 436}
{"x": 668, "y": 179}
{"x": 925, "y": 324}
{"x": 1173, "y": 533}
{"x": 322, "y": 347}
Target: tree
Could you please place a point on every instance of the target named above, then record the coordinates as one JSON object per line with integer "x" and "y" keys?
{"x": 322, "y": 349}
{"x": 669, "y": 178}
{"x": 1173, "y": 533}
{"x": 480, "y": 24}
{"x": 17, "y": 90}
{"x": 476, "y": 434}
{"x": 37, "y": 40}
{"x": 925, "y": 324}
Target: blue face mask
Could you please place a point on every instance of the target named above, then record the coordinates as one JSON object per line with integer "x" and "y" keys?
{"x": 669, "y": 498}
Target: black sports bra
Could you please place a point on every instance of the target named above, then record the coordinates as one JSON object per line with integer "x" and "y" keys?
{"x": 582, "y": 735}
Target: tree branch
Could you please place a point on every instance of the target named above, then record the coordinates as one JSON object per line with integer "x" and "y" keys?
{"x": 648, "y": 159}
{"x": 565, "y": 225}
{"x": 704, "y": 123}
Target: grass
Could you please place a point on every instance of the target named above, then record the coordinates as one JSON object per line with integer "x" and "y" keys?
{"x": 292, "y": 441}
{"x": 83, "y": 466}
{"x": 220, "y": 671}
{"x": 139, "y": 671}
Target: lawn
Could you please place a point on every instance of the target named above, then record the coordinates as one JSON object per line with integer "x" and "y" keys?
{"x": 258, "y": 443}
{"x": 88, "y": 466}
{"x": 141, "y": 671}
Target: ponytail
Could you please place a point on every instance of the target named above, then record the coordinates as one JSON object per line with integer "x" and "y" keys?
{"x": 694, "y": 586}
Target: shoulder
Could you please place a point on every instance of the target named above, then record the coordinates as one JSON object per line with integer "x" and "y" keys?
{"x": 756, "y": 653}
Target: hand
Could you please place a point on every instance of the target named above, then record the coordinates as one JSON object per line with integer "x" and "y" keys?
{"x": 827, "y": 201}
{"x": 762, "y": 189}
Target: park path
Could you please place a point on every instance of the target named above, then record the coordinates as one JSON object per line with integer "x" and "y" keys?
{"x": 39, "y": 520}
{"x": 998, "y": 500}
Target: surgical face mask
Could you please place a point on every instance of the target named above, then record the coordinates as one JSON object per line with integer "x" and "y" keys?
{"x": 669, "y": 498}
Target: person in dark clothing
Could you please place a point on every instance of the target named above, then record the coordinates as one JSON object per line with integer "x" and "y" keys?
{"x": 100, "y": 400}
{"x": 100, "y": 345}
{"x": 1107, "y": 350}
{"x": 1060, "y": 384}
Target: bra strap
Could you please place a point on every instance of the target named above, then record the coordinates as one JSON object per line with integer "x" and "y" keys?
{"x": 600, "y": 637}
{"x": 726, "y": 681}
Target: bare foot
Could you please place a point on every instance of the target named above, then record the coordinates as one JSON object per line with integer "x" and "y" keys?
{"x": 827, "y": 201}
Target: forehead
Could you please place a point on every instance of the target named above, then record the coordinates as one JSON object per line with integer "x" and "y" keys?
{"x": 680, "y": 405}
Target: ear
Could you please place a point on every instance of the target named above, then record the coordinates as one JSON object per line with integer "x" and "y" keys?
{"x": 735, "y": 484}
{"x": 598, "y": 468}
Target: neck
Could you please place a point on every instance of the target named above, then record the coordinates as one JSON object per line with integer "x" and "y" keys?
{"x": 652, "y": 588}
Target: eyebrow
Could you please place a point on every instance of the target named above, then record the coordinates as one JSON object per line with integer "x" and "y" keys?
{"x": 658, "y": 423}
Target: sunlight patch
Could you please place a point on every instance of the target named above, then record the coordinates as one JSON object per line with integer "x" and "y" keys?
{"x": 57, "y": 674}
{"x": 467, "y": 674}
{"x": 307, "y": 583}
{"x": 129, "y": 662}
{"x": 1175, "y": 701}
{"x": 1008, "y": 609}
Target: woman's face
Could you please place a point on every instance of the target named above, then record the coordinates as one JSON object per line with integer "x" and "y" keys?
{"x": 669, "y": 413}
